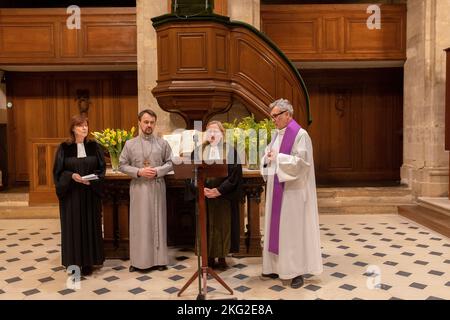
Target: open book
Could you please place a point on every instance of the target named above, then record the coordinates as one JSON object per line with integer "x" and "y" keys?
{"x": 182, "y": 143}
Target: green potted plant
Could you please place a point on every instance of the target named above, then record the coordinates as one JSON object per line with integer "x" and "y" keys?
{"x": 253, "y": 135}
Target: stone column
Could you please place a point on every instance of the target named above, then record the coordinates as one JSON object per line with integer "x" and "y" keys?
{"x": 247, "y": 11}
{"x": 147, "y": 63}
{"x": 425, "y": 161}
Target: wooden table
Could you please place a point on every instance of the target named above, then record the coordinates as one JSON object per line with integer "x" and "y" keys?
{"x": 180, "y": 215}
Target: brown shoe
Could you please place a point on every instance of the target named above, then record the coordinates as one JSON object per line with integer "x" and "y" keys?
{"x": 211, "y": 262}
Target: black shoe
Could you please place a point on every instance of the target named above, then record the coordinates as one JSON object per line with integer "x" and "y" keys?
{"x": 132, "y": 269}
{"x": 162, "y": 268}
{"x": 86, "y": 270}
{"x": 222, "y": 265}
{"x": 270, "y": 275}
{"x": 297, "y": 282}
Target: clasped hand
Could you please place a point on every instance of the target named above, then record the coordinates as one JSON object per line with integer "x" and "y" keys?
{"x": 147, "y": 172}
{"x": 211, "y": 193}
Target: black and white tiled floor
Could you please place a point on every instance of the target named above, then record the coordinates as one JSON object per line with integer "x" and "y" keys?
{"x": 365, "y": 257}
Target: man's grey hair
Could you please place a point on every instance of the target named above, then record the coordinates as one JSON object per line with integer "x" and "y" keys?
{"x": 283, "y": 105}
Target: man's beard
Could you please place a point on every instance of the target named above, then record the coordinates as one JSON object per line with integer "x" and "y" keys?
{"x": 148, "y": 132}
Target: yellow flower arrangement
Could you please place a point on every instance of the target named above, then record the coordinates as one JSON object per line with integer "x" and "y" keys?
{"x": 113, "y": 141}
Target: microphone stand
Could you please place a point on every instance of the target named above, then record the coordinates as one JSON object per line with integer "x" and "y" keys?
{"x": 200, "y": 295}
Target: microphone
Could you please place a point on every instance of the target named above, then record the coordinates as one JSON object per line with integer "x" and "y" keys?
{"x": 270, "y": 147}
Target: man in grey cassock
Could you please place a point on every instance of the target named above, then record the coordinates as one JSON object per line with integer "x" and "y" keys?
{"x": 292, "y": 235}
{"x": 147, "y": 159}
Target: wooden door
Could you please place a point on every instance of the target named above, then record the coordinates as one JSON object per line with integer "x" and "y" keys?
{"x": 357, "y": 125}
{"x": 43, "y": 104}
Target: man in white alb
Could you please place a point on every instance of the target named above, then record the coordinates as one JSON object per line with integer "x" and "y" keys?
{"x": 292, "y": 236}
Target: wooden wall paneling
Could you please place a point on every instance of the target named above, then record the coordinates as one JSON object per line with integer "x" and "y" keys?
{"x": 128, "y": 101}
{"x": 109, "y": 103}
{"x": 41, "y": 37}
{"x": 335, "y": 32}
{"x": 69, "y": 41}
{"x": 341, "y": 129}
{"x": 28, "y": 114}
{"x": 63, "y": 111}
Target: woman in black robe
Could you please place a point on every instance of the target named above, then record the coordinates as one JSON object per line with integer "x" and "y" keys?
{"x": 80, "y": 204}
{"x": 222, "y": 198}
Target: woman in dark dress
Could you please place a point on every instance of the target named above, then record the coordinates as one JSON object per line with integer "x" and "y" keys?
{"x": 222, "y": 197}
{"x": 79, "y": 199}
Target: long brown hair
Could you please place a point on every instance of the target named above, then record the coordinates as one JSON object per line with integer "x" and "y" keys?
{"x": 77, "y": 120}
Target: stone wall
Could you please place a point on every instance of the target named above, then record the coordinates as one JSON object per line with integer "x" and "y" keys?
{"x": 247, "y": 11}
{"x": 147, "y": 64}
{"x": 425, "y": 162}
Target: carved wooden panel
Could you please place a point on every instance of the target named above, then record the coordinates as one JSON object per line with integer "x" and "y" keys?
{"x": 163, "y": 54}
{"x": 42, "y": 154}
{"x": 28, "y": 39}
{"x": 222, "y": 53}
{"x": 255, "y": 67}
{"x": 332, "y": 36}
{"x": 108, "y": 39}
{"x": 359, "y": 39}
{"x": 69, "y": 42}
{"x": 294, "y": 35}
{"x": 191, "y": 48}
{"x": 335, "y": 32}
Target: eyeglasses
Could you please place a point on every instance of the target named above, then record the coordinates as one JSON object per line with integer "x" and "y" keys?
{"x": 274, "y": 116}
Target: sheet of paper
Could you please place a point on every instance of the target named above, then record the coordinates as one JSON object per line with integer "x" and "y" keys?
{"x": 174, "y": 141}
{"x": 90, "y": 177}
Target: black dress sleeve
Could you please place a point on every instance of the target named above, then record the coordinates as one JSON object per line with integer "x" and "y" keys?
{"x": 97, "y": 185}
{"x": 61, "y": 177}
{"x": 232, "y": 184}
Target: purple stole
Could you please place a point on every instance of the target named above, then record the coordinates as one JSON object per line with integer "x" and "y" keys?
{"x": 292, "y": 130}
